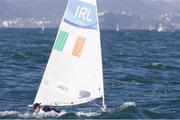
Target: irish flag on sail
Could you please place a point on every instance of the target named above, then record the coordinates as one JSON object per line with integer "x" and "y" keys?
{"x": 74, "y": 73}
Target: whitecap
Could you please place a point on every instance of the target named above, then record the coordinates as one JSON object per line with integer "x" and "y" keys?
{"x": 88, "y": 114}
{"x": 127, "y": 104}
{"x": 8, "y": 113}
{"x": 156, "y": 64}
{"x": 28, "y": 115}
{"x": 52, "y": 114}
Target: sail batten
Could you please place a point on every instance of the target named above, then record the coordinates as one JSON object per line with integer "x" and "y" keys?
{"x": 74, "y": 73}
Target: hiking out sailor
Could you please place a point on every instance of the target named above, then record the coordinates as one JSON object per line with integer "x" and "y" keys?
{"x": 38, "y": 107}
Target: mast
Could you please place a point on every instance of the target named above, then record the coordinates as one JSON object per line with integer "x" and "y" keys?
{"x": 103, "y": 96}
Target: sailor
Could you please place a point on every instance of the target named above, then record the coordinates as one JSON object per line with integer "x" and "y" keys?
{"x": 38, "y": 107}
{"x": 48, "y": 109}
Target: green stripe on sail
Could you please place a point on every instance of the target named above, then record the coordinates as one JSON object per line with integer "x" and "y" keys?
{"x": 60, "y": 40}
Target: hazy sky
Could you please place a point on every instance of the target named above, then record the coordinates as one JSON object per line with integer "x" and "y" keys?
{"x": 52, "y": 9}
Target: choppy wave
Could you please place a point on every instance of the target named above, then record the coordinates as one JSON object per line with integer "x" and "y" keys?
{"x": 27, "y": 115}
{"x": 88, "y": 114}
{"x": 127, "y": 104}
{"x": 52, "y": 114}
{"x": 139, "y": 66}
{"x": 159, "y": 65}
{"x": 162, "y": 66}
{"x": 30, "y": 115}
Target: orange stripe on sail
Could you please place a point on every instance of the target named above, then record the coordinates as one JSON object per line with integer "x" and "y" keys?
{"x": 78, "y": 46}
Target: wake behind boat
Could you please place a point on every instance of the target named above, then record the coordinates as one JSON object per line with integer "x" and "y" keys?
{"x": 74, "y": 72}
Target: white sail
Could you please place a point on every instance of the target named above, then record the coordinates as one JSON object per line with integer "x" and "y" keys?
{"x": 117, "y": 27}
{"x": 160, "y": 28}
{"x": 74, "y": 73}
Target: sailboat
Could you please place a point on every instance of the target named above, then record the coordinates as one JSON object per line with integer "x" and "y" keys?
{"x": 160, "y": 28}
{"x": 150, "y": 28}
{"x": 117, "y": 28}
{"x": 43, "y": 28}
{"x": 74, "y": 73}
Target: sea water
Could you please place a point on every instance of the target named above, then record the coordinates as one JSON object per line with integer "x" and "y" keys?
{"x": 141, "y": 74}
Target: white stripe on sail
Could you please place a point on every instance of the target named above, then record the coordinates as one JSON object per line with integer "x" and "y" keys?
{"x": 89, "y": 1}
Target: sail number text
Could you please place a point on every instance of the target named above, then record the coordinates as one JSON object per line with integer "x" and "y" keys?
{"x": 62, "y": 87}
{"x": 83, "y": 13}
